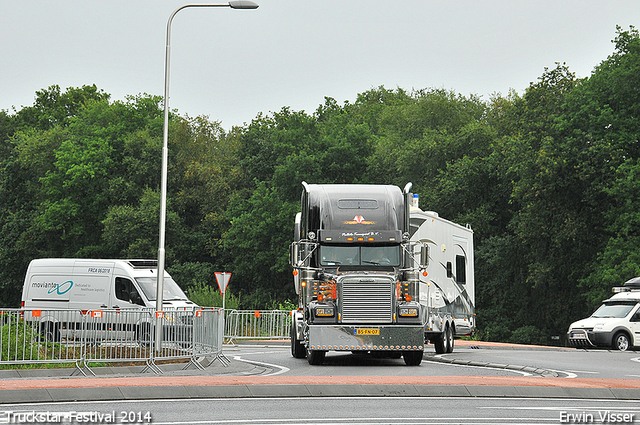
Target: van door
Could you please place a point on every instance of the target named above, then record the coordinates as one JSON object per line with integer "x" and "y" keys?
{"x": 634, "y": 327}
{"x": 126, "y": 294}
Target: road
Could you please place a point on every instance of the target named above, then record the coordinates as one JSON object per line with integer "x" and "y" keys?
{"x": 495, "y": 384}
{"x": 465, "y": 360}
{"x": 343, "y": 410}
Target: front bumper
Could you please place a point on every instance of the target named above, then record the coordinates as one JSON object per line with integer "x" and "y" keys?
{"x": 366, "y": 337}
{"x": 582, "y": 338}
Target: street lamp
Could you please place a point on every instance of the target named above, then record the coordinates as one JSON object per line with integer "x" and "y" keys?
{"x": 237, "y": 4}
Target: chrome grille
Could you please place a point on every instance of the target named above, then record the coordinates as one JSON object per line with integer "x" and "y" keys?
{"x": 366, "y": 301}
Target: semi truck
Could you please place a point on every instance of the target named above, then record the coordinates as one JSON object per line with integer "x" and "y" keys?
{"x": 375, "y": 274}
{"x": 616, "y": 323}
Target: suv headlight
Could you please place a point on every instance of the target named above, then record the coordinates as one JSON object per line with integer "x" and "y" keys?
{"x": 598, "y": 327}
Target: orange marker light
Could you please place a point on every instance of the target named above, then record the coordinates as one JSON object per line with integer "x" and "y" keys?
{"x": 295, "y": 272}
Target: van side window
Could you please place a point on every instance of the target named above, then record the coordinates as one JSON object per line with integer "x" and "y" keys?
{"x": 126, "y": 291}
{"x": 461, "y": 270}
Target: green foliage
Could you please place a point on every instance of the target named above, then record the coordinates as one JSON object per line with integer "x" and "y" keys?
{"x": 529, "y": 335}
{"x": 207, "y": 296}
{"x": 548, "y": 180}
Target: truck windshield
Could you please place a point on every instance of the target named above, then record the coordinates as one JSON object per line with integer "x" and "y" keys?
{"x": 170, "y": 290}
{"x": 360, "y": 255}
{"x": 613, "y": 310}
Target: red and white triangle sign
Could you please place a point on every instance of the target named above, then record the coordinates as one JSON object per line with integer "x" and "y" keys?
{"x": 223, "y": 280}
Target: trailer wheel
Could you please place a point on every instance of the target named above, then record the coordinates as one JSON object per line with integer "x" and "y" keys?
{"x": 315, "y": 357}
{"x": 298, "y": 349}
{"x": 439, "y": 343}
{"x": 448, "y": 334}
{"x": 412, "y": 358}
{"x": 621, "y": 341}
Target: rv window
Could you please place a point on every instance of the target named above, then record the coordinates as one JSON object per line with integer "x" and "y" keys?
{"x": 461, "y": 271}
{"x": 370, "y": 204}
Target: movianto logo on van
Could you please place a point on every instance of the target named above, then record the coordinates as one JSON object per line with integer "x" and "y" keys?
{"x": 58, "y": 288}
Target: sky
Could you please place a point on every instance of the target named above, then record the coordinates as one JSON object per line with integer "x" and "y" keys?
{"x": 231, "y": 65}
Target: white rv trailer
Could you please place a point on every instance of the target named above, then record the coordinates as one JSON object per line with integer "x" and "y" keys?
{"x": 447, "y": 290}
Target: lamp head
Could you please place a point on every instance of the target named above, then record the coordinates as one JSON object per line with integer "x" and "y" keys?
{"x": 242, "y": 4}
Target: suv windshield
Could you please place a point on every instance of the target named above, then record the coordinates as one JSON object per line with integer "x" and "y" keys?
{"x": 613, "y": 310}
{"x": 360, "y": 255}
{"x": 170, "y": 290}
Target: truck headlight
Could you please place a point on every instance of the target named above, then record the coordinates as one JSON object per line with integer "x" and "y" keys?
{"x": 598, "y": 327}
{"x": 324, "y": 311}
{"x": 408, "y": 311}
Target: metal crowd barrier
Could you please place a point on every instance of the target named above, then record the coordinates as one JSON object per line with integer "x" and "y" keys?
{"x": 258, "y": 324}
{"x": 86, "y": 338}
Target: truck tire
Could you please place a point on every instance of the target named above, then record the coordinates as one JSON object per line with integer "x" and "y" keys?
{"x": 439, "y": 343}
{"x": 298, "y": 349}
{"x": 448, "y": 335}
{"x": 315, "y": 357}
{"x": 412, "y": 358}
{"x": 621, "y": 341}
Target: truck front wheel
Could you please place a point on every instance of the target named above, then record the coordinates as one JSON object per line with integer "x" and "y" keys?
{"x": 298, "y": 350}
{"x": 315, "y": 357}
{"x": 621, "y": 341}
{"x": 412, "y": 358}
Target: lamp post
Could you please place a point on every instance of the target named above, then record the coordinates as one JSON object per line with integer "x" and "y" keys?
{"x": 236, "y": 4}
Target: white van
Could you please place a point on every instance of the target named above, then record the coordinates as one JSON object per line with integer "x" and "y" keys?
{"x": 616, "y": 323}
{"x": 78, "y": 286}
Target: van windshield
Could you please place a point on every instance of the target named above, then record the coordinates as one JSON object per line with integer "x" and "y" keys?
{"x": 616, "y": 310}
{"x": 170, "y": 290}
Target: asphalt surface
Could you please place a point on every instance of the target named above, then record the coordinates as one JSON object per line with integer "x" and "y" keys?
{"x": 241, "y": 379}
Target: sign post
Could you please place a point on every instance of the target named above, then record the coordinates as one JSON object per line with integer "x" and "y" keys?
{"x": 223, "y": 280}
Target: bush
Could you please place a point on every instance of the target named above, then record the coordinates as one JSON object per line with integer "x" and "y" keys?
{"x": 528, "y": 335}
{"x": 207, "y": 296}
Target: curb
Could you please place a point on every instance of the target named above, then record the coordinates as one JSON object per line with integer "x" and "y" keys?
{"x": 542, "y": 372}
{"x": 50, "y": 395}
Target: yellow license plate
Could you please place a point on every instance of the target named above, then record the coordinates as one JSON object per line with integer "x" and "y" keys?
{"x": 367, "y": 331}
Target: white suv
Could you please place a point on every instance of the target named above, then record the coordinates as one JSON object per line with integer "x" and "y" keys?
{"x": 616, "y": 323}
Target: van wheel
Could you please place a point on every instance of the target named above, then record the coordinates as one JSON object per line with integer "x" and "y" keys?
{"x": 49, "y": 331}
{"x": 143, "y": 335}
{"x": 621, "y": 341}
